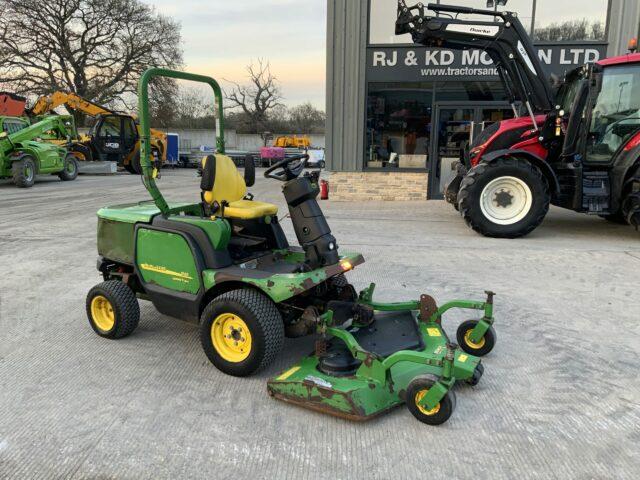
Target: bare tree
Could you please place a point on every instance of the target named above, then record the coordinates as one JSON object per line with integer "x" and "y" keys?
{"x": 95, "y": 48}
{"x": 306, "y": 118}
{"x": 258, "y": 97}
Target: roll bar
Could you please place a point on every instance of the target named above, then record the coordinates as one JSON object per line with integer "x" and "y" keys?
{"x": 502, "y": 36}
{"x": 148, "y": 174}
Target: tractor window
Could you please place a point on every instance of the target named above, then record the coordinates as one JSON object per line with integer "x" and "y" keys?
{"x": 111, "y": 127}
{"x": 616, "y": 115}
{"x": 13, "y": 127}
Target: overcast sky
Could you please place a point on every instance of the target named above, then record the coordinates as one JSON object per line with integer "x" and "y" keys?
{"x": 220, "y": 37}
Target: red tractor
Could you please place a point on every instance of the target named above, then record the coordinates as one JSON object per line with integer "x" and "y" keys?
{"x": 577, "y": 148}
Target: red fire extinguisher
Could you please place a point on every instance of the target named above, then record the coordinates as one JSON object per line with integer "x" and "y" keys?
{"x": 324, "y": 190}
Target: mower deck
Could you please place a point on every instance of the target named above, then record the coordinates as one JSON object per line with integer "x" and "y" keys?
{"x": 396, "y": 348}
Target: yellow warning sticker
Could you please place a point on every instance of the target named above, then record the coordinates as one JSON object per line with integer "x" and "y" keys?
{"x": 434, "y": 332}
{"x": 463, "y": 358}
{"x": 288, "y": 373}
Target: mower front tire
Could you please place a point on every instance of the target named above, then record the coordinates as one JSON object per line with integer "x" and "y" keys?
{"x": 419, "y": 387}
{"x": 480, "y": 349}
{"x": 241, "y": 332}
{"x": 112, "y": 309}
{"x": 70, "y": 170}
{"x": 507, "y": 198}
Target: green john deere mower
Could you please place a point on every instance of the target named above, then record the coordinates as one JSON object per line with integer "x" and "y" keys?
{"x": 225, "y": 263}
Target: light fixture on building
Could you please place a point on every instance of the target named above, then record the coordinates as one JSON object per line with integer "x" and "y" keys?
{"x": 492, "y": 3}
{"x": 633, "y": 45}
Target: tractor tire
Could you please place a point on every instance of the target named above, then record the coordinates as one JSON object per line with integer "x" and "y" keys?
{"x": 241, "y": 332}
{"x": 480, "y": 349}
{"x": 112, "y": 309}
{"x": 507, "y": 198}
{"x": 24, "y": 172}
{"x": 418, "y": 387}
{"x": 342, "y": 289}
{"x": 134, "y": 167}
{"x": 70, "y": 170}
{"x": 617, "y": 217}
{"x": 129, "y": 168}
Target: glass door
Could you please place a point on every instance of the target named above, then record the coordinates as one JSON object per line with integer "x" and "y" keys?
{"x": 456, "y": 126}
{"x": 453, "y": 131}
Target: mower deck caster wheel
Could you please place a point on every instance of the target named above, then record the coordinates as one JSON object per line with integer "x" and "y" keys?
{"x": 477, "y": 375}
{"x": 417, "y": 389}
{"x": 479, "y": 349}
{"x": 113, "y": 309}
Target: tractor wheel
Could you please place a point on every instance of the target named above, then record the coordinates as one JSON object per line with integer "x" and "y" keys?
{"x": 113, "y": 309}
{"x": 70, "y": 170}
{"x": 507, "y": 198}
{"x": 241, "y": 332}
{"x": 417, "y": 389}
{"x": 483, "y": 347}
{"x": 617, "y": 217}
{"x": 134, "y": 167}
{"x": 24, "y": 172}
{"x": 129, "y": 168}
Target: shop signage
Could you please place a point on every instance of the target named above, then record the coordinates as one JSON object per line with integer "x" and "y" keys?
{"x": 420, "y": 64}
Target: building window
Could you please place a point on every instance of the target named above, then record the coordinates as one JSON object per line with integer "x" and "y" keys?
{"x": 398, "y": 125}
{"x": 570, "y": 21}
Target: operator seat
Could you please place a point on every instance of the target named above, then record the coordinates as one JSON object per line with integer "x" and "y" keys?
{"x": 224, "y": 190}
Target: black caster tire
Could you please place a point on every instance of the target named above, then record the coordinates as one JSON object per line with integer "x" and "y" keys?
{"x": 24, "y": 172}
{"x": 477, "y": 349}
{"x": 507, "y": 198}
{"x": 418, "y": 387}
{"x": 342, "y": 289}
{"x": 241, "y": 332}
{"x": 70, "y": 169}
{"x": 112, "y": 309}
{"x": 477, "y": 375}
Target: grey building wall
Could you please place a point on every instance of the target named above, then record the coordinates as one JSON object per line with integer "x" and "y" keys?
{"x": 346, "y": 88}
{"x": 346, "y": 84}
{"x": 624, "y": 24}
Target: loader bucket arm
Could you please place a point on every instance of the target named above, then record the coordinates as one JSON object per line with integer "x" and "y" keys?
{"x": 502, "y": 36}
{"x": 145, "y": 128}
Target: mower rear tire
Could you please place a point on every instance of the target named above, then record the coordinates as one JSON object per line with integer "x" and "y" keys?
{"x": 24, "y": 172}
{"x": 418, "y": 387}
{"x": 480, "y": 349}
{"x": 70, "y": 170}
{"x": 241, "y": 332}
{"x": 507, "y": 198}
{"x": 342, "y": 289}
{"x": 112, "y": 309}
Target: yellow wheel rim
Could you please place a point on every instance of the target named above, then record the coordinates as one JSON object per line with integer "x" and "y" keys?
{"x": 102, "y": 313}
{"x": 472, "y": 344}
{"x": 424, "y": 410}
{"x": 231, "y": 337}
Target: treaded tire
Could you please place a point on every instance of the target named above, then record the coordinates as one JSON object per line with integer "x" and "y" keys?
{"x": 265, "y": 326}
{"x": 125, "y": 308}
{"x": 134, "y": 167}
{"x": 469, "y": 197}
{"x": 65, "y": 175}
{"x": 485, "y": 347}
{"x": 343, "y": 289}
{"x": 19, "y": 172}
{"x": 446, "y": 406}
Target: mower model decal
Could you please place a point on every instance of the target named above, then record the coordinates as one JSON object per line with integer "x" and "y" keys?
{"x": 434, "y": 332}
{"x": 463, "y": 358}
{"x": 165, "y": 271}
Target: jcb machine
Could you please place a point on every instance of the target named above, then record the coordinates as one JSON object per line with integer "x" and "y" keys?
{"x": 113, "y": 137}
{"x": 577, "y": 149}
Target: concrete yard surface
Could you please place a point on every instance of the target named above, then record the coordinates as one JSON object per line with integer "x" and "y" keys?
{"x": 560, "y": 397}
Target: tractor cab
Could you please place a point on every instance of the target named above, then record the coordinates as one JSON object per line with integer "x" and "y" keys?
{"x": 115, "y": 137}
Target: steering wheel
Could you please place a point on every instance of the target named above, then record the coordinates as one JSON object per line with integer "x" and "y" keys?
{"x": 286, "y": 170}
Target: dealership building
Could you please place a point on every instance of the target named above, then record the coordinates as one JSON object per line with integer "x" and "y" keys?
{"x": 398, "y": 113}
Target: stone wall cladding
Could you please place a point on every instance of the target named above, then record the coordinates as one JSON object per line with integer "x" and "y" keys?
{"x": 387, "y": 186}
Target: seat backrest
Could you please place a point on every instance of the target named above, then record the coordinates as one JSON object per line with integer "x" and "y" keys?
{"x": 221, "y": 181}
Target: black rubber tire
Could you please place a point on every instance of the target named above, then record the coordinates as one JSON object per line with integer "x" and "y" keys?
{"x": 134, "y": 167}
{"x": 478, "y": 177}
{"x": 129, "y": 168}
{"x": 342, "y": 289}
{"x": 264, "y": 322}
{"x": 321, "y": 164}
{"x": 490, "y": 339}
{"x": 18, "y": 170}
{"x": 447, "y": 404}
{"x": 617, "y": 217}
{"x": 125, "y": 306}
{"x": 65, "y": 175}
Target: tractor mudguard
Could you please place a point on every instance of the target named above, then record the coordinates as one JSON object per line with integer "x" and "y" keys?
{"x": 547, "y": 171}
